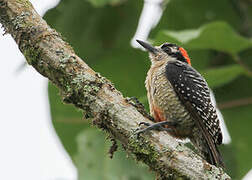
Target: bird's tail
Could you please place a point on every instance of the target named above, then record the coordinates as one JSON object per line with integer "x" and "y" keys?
{"x": 209, "y": 151}
{"x": 213, "y": 156}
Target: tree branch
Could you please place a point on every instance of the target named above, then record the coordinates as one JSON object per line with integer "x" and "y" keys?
{"x": 45, "y": 50}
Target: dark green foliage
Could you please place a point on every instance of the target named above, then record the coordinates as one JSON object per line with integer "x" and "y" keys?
{"x": 217, "y": 36}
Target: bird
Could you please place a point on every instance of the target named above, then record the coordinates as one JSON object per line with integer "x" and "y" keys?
{"x": 179, "y": 101}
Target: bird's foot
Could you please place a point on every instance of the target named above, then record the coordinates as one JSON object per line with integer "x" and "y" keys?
{"x": 156, "y": 126}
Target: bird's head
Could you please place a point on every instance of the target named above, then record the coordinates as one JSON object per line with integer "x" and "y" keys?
{"x": 166, "y": 52}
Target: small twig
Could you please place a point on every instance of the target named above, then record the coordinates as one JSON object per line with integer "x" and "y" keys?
{"x": 244, "y": 66}
{"x": 235, "y": 103}
{"x": 113, "y": 147}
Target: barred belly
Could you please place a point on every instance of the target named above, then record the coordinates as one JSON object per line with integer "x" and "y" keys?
{"x": 166, "y": 100}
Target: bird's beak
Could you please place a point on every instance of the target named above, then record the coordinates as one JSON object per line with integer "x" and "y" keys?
{"x": 148, "y": 47}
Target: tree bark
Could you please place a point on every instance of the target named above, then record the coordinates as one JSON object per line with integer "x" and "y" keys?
{"x": 45, "y": 50}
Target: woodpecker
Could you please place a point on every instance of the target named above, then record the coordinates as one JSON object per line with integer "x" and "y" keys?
{"x": 179, "y": 100}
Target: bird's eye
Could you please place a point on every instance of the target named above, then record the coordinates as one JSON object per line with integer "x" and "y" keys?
{"x": 166, "y": 48}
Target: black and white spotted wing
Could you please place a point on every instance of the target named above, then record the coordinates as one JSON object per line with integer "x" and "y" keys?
{"x": 192, "y": 89}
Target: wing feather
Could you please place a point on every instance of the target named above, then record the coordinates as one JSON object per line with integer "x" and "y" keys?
{"x": 193, "y": 91}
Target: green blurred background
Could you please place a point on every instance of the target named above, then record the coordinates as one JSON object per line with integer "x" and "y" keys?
{"x": 217, "y": 36}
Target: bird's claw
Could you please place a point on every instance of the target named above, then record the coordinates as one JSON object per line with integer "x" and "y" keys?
{"x": 144, "y": 123}
{"x": 144, "y": 129}
{"x": 159, "y": 126}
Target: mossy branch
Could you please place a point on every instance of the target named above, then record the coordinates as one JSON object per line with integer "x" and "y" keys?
{"x": 45, "y": 50}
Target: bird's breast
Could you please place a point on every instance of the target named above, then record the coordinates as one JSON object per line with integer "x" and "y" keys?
{"x": 164, "y": 102}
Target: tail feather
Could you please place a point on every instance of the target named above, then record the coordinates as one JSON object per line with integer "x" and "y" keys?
{"x": 203, "y": 140}
{"x": 214, "y": 157}
{"x": 209, "y": 151}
